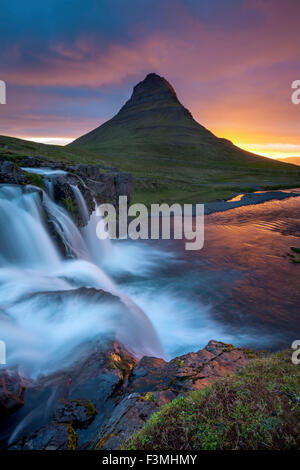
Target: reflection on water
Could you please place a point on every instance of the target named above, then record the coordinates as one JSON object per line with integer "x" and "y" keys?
{"x": 243, "y": 279}
{"x": 240, "y": 288}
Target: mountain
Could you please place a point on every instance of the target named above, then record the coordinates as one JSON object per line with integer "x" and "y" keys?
{"x": 293, "y": 160}
{"x": 172, "y": 157}
{"x": 153, "y": 123}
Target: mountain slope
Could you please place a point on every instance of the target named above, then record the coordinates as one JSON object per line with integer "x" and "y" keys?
{"x": 153, "y": 123}
{"x": 172, "y": 157}
{"x": 293, "y": 160}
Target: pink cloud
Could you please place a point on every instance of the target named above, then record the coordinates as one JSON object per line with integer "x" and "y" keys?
{"x": 235, "y": 68}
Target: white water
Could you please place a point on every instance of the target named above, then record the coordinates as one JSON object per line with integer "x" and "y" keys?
{"x": 45, "y": 171}
{"x": 40, "y": 323}
{"x": 45, "y": 320}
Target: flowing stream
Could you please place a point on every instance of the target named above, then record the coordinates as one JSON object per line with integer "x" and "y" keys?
{"x": 40, "y": 322}
{"x": 169, "y": 301}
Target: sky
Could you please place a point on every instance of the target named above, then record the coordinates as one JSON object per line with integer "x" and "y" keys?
{"x": 69, "y": 65}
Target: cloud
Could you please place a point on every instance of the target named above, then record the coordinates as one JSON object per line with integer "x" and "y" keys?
{"x": 231, "y": 63}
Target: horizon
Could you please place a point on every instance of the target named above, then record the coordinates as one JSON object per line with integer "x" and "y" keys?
{"x": 68, "y": 71}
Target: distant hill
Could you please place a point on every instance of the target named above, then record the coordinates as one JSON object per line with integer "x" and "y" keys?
{"x": 293, "y": 160}
{"x": 173, "y": 157}
{"x": 153, "y": 123}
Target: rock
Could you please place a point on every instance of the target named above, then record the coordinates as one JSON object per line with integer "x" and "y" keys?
{"x": 96, "y": 182}
{"x": 124, "y": 183}
{"x": 129, "y": 416}
{"x": 105, "y": 396}
{"x": 155, "y": 382}
{"x": 54, "y": 436}
{"x": 10, "y": 173}
{"x": 80, "y": 396}
{"x": 78, "y": 413}
{"x": 12, "y": 388}
{"x": 188, "y": 372}
{"x": 63, "y": 192}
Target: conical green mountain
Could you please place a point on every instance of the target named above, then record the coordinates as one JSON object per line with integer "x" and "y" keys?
{"x": 153, "y": 123}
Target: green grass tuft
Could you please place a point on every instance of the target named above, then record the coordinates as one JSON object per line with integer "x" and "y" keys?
{"x": 69, "y": 205}
{"x": 258, "y": 408}
{"x": 36, "y": 180}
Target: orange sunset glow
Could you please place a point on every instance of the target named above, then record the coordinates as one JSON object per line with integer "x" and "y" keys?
{"x": 225, "y": 62}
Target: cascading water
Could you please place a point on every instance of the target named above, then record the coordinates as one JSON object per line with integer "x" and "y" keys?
{"x": 39, "y": 321}
{"x": 48, "y": 310}
{"x": 81, "y": 204}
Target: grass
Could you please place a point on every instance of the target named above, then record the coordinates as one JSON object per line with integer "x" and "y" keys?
{"x": 36, "y": 180}
{"x": 69, "y": 205}
{"x": 258, "y": 408}
{"x": 165, "y": 178}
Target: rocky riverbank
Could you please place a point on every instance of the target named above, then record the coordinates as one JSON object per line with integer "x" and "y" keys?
{"x": 98, "y": 183}
{"x": 104, "y": 397}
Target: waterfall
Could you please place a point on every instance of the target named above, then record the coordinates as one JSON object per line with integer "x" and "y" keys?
{"x": 24, "y": 239}
{"x": 41, "y": 324}
{"x": 81, "y": 204}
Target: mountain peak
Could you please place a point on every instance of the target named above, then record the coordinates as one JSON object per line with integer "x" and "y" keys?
{"x": 154, "y": 83}
{"x": 154, "y": 89}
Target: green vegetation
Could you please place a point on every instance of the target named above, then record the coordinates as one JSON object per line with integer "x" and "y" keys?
{"x": 148, "y": 397}
{"x": 173, "y": 157}
{"x": 116, "y": 361}
{"x": 36, "y": 180}
{"x": 69, "y": 205}
{"x": 295, "y": 258}
{"x": 258, "y": 408}
{"x": 164, "y": 179}
{"x": 72, "y": 438}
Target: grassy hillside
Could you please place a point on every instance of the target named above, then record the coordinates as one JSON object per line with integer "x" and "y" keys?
{"x": 11, "y": 146}
{"x": 155, "y": 138}
{"x": 173, "y": 157}
{"x": 258, "y": 408}
{"x": 161, "y": 179}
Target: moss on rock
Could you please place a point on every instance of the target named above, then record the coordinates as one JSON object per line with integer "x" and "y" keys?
{"x": 257, "y": 408}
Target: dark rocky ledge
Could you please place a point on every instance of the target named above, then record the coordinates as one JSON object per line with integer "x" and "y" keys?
{"x": 107, "y": 395}
{"x": 98, "y": 183}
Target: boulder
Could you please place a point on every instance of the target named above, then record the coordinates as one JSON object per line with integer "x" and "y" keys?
{"x": 12, "y": 388}
{"x": 100, "y": 400}
{"x": 78, "y": 413}
{"x": 54, "y": 436}
{"x": 154, "y": 382}
{"x": 10, "y": 173}
{"x": 188, "y": 372}
{"x": 100, "y": 183}
{"x": 129, "y": 416}
{"x": 80, "y": 397}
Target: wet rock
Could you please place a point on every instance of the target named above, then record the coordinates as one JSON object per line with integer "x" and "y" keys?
{"x": 82, "y": 396}
{"x": 54, "y": 436}
{"x": 63, "y": 192}
{"x": 105, "y": 396}
{"x": 78, "y": 413}
{"x": 129, "y": 416}
{"x": 12, "y": 388}
{"x": 10, "y": 173}
{"x": 100, "y": 183}
{"x": 188, "y": 372}
{"x": 155, "y": 382}
{"x": 94, "y": 377}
